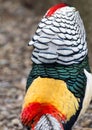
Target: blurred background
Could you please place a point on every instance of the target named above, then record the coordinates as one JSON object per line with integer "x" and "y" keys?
{"x": 18, "y": 22}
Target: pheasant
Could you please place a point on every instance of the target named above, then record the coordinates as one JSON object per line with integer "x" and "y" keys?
{"x": 59, "y": 84}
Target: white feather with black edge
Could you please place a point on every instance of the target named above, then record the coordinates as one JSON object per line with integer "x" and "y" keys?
{"x": 62, "y": 32}
{"x": 48, "y": 122}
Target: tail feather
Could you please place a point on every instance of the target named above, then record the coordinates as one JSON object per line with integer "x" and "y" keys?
{"x": 48, "y": 122}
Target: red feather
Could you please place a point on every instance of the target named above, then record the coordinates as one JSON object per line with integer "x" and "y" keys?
{"x": 54, "y": 8}
{"x": 32, "y": 113}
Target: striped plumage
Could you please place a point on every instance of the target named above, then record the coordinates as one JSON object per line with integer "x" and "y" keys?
{"x": 60, "y": 38}
{"x": 59, "y": 84}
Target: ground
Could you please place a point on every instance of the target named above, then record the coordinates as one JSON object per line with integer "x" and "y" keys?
{"x": 17, "y": 25}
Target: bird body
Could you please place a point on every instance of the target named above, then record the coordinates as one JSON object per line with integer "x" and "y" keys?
{"x": 59, "y": 84}
{"x": 58, "y": 98}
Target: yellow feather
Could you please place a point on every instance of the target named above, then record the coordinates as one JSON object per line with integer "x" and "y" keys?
{"x": 53, "y": 91}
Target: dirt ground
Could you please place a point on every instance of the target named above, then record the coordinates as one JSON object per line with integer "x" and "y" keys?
{"x": 17, "y": 25}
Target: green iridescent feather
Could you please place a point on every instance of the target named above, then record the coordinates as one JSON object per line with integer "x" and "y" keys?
{"x": 73, "y": 75}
